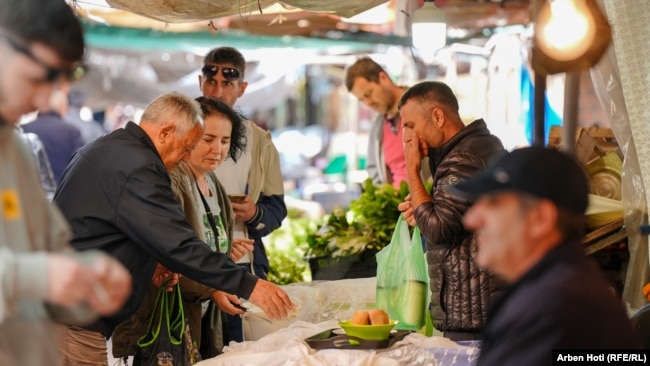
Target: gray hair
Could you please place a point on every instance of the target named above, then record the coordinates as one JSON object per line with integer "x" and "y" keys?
{"x": 184, "y": 111}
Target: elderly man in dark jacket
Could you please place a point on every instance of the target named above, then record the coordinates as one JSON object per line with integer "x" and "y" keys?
{"x": 461, "y": 292}
{"x": 117, "y": 195}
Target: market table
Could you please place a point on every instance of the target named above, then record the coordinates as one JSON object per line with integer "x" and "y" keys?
{"x": 287, "y": 346}
{"x": 321, "y": 305}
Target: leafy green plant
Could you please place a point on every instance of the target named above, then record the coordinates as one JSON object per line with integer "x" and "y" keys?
{"x": 367, "y": 225}
{"x": 285, "y": 248}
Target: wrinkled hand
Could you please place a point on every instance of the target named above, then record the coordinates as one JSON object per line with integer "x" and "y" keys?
{"x": 244, "y": 210}
{"x": 112, "y": 286}
{"x": 406, "y": 208}
{"x": 271, "y": 299}
{"x": 161, "y": 273}
{"x": 240, "y": 247}
{"x": 225, "y": 302}
{"x": 105, "y": 285}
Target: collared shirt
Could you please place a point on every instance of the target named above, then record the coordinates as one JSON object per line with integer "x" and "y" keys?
{"x": 393, "y": 147}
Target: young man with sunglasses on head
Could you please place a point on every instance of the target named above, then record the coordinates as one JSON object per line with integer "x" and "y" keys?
{"x": 257, "y": 172}
{"x": 41, "y": 278}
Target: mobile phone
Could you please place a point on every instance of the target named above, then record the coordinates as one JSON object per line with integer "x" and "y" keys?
{"x": 238, "y": 306}
{"x": 237, "y": 197}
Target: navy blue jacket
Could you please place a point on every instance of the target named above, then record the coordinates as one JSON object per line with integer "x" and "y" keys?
{"x": 59, "y": 138}
{"x": 563, "y": 303}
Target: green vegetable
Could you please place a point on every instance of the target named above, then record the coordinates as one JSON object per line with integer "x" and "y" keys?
{"x": 368, "y": 225}
{"x": 285, "y": 248}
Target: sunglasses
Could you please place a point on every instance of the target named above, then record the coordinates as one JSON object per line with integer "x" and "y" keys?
{"x": 76, "y": 72}
{"x": 228, "y": 73}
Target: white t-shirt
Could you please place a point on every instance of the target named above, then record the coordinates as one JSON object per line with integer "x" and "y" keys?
{"x": 234, "y": 178}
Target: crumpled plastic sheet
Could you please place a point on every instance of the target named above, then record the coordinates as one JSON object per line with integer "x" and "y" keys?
{"x": 320, "y": 301}
{"x": 287, "y": 346}
{"x": 610, "y": 90}
{"x": 321, "y": 304}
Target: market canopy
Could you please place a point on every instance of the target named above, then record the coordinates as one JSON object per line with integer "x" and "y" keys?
{"x": 179, "y": 11}
{"x": 138, "y": 49}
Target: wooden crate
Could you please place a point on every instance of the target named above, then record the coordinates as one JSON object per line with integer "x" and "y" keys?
{"x": 591, "y": 143}
{"x": 596, "y": 148}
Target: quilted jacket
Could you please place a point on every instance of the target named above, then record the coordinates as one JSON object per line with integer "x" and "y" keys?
{"x": 460, "y": 291}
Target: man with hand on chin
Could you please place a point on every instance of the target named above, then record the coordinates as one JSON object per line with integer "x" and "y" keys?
{"x": 460, "y": 291}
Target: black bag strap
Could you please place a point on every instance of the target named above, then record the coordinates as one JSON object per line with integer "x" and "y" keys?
{"x": 161, "y": 311}
{"x": 213, "y": 224}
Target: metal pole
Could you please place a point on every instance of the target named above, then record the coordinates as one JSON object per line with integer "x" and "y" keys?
{"x": 539, "y": 132}
{"x": 539, "y": 104}
{"x": 570, "y": 118}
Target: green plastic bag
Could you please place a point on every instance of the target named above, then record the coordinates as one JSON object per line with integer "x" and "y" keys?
{"x": 402, "y": 278}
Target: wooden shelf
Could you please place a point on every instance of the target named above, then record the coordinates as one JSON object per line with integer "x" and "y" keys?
{"x": 605, "y": 236}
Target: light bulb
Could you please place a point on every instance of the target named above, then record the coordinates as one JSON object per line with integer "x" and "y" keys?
{"x": 429, "y": 37}
{"x": 429, "y": 30}
{"x": 565, "y": 29}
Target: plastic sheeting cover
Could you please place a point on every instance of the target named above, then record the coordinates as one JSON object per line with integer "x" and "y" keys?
{"x": 623, "y": 95}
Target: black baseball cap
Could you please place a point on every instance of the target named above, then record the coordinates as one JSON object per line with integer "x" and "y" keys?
{"x": 538, "y": 171}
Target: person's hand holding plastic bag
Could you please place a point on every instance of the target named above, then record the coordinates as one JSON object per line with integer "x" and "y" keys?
{"x": 402, "y": 278}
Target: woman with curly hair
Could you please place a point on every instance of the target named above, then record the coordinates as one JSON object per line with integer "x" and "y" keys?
{"x": 207, "y": 208}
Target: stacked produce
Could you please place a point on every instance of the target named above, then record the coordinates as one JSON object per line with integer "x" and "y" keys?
{"x": 367, "y": 225}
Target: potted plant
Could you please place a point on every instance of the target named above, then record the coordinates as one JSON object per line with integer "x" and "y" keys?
{"x": 345, "y": 246}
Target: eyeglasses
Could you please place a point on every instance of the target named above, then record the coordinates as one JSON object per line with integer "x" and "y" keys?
{"x": 76, "y": 72}
{"x": 228, "y": 73}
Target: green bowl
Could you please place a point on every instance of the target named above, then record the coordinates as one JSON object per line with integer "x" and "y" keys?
{"x": 368, "y": 332}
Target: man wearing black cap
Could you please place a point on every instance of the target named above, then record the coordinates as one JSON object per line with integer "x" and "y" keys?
{"x": 528, "y": 220}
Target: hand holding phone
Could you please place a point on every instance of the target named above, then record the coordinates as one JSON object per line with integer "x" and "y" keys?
{"x": 237, "y": 197}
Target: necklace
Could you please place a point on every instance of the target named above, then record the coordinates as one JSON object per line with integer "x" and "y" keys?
{"x": 204, "y": 187}
{"x": 393, "y": 123}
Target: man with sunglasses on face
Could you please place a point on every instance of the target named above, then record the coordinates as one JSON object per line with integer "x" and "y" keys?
{"x": 41, "y": 277}
{"x": 257, "y": 172}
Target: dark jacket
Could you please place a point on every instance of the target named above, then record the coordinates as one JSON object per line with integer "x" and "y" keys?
{"x": 59, "y": 138}
{"x": 116, "y": 194}
{"x": 564, "y": 302}
{"x": 460, "y": 291}
{"x": 42, "y": 162}
{"x": 126, "y": 334}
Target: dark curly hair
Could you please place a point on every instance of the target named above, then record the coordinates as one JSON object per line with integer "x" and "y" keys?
{"x": 212, "y": 106}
